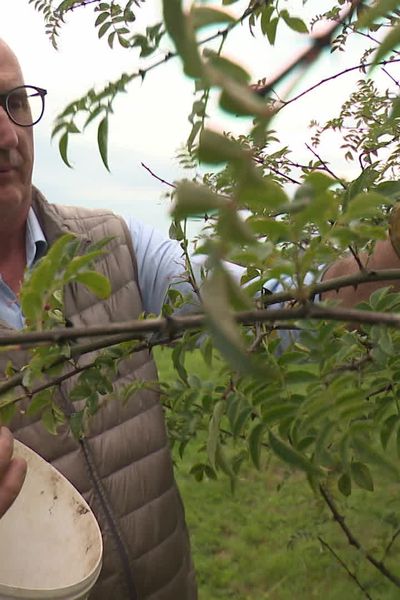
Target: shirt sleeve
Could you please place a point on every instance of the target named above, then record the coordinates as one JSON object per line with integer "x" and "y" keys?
{"x": 160, "y": 262}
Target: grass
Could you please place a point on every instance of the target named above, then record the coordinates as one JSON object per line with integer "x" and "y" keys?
{"x": 262, "y": 542}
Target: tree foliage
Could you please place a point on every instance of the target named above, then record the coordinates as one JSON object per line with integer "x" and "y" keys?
{"x": 296, "y": 378}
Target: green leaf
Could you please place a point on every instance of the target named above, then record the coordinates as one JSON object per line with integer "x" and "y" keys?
{"x": 65, "y": 5}
{"x": 269, "y": 29}
{"x": 255, "y": 441}
{"x": 300, "y": 376}
{"x": 50, "y": 421}
{"x": 371, "y": 455}
{"x": 259, "y": 193}
{"x": 344, "y": 485}
{"x": 63, "y": 149}
{"x": 203, "y": 16}
{"x": 232, "y": 227}
{"x": 102, "y": 141}
{"x": 192, "y": 199}
{"x": 380, "y": 9}
{"x": 215, "y": 148}
{"x": 389, "y": 189}
{"x": 76, "y": 424}
{"x": 40, "y": 401}
{"x": 395, "y": 113}
{"x": 294, "y": 23}
{"x": 390, "y": 42}
{"x": 222, "y": 326}
{"x": 213, "y": 431}
{"x": 96, "y": 282}
{"x": 292, "y": 457}
{"x": 179, "y": 26}
{"x": 178, "y": 362}
{"x": 387, "y": 429}
{"x": 8, "y": 407}
{"x": 237, "y": 98}
{"x": 79, "y": 262}
{"x": 227, "y": 67}
{"x": 362, "y": 476}
{"x": 32, "y": 306}
{"x": 104, "y": 28}
{"x": 366, "y": 204}
{"x": 101, "y": 18}
{"x": 241, "y": 420}
{"x": 273, "y": 229}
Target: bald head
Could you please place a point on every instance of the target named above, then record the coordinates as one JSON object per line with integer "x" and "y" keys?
{"x": 9, "y": 62}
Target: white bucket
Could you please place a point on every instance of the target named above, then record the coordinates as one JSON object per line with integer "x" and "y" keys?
{"x": 50, "y": 542}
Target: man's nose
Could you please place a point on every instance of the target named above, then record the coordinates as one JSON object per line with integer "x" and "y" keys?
{"x": 8, "y": 131}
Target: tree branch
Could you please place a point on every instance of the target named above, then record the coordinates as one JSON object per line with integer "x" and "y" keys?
{"x": 325, "y": 165}
{"x": 309, "y": 55}
{"x": 335, "y": 76}
{"x": 157, "y": 177}
{"x": 390, "y": 544}
{"x": 137, "y": 329}
{"x": 345, "y": 567}
{"x": 353, "y": 541}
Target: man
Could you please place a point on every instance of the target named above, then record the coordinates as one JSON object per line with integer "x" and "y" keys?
{"x": 123, "y": 466}
{"x": 12, "y": 471}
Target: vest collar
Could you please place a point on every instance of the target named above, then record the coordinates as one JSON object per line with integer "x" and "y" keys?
{"x": 50, "y": 220}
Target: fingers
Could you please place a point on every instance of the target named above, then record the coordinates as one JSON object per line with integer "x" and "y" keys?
{"x": 12, "y": 471}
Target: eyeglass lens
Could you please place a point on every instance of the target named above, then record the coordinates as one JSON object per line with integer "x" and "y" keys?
{"x": 25, "y": 105}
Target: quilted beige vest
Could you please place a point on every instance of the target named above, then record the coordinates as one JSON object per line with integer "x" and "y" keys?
{"x": 123, "y": 466}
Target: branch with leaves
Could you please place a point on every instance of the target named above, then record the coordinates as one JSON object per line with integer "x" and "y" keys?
{"x": 294, "y": 381}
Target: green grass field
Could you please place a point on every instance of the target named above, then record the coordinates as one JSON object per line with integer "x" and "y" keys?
{"x": 263, "y": 541}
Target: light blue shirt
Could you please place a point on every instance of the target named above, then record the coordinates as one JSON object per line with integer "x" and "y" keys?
{"x": 160, "y": 265}
{"x": 160, "y": 262}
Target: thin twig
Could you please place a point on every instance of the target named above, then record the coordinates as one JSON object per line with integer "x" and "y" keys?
{"x": 79, "y": 4}
{"x": 353, "y": 541}
{"x": 309, "y": 56}
{"x": 335, "y": 76}
{"x": 356, "y": 258}
{"x": 157, "y": 177}
{"x": 29, "y": 393}
{"x": 345, "y": 567}
{"x": 390, "y": 544}
{"x": 325, "y": 165}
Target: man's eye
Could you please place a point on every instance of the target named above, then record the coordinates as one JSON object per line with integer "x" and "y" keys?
{"x": 17, "y": 102}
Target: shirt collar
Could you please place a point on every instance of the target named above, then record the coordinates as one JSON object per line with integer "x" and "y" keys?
{"x": 36, "y": 244}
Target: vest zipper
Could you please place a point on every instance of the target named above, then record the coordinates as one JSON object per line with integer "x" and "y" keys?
{"x": 107, "y": 509}
{"x": 101, "y": 494}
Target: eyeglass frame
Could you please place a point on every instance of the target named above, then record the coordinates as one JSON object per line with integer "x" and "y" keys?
{"x": 4, "y": 102}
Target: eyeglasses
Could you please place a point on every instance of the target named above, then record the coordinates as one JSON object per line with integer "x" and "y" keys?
{"x": 24, "y": 104}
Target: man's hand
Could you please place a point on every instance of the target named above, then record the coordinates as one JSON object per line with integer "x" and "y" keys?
{"x": 12, "y": 471}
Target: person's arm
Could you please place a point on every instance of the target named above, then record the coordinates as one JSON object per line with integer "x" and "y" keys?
{"x": 12, "y": 471}
{"x": 383, "y": 257}
{"x": 161, "y": 265}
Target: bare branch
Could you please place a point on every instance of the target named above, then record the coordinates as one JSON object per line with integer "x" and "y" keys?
{"x": 356, "y": 258}
{"x": 346, "y": 568}
{"x": 310, "y": 55}
{"x": 353, "y": 541}
{"x": 137, "y": 329}
{"x": 325, "y": 165}
{"x": 157, "y": 177}
{"x": 335, "y": 76}
{"x": 390, "y": 544}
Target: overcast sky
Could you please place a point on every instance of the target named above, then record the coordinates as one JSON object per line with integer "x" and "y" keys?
{"x": 150, "y": 123}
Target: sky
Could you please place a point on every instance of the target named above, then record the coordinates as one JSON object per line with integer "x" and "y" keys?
{"x": 150, "y": 122}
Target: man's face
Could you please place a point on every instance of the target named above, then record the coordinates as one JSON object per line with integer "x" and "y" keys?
{"x": 16, "y": 149}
